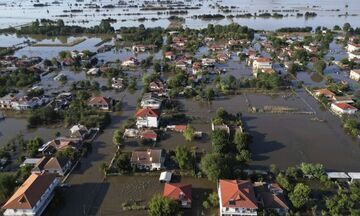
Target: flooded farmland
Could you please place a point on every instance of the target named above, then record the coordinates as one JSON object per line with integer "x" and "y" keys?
{"x": 133, "y": 13}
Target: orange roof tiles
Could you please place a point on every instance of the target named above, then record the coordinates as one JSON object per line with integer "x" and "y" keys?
{"x": 345, "y": 106}
{"x": 178, "y": 192}
{"x": 237, "y": 193}
{"x": 146, "y": 112}
{"x": 30, "y": 191}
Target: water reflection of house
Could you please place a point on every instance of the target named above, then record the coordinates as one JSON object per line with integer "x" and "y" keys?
{"x": 180, "y": 193}
{"x": 150, "y": 159}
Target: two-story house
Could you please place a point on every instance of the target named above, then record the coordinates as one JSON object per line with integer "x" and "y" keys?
{"x": 147, "y": 117}
{"x": 237, "y": 198}
{"x": 33, "y": 196}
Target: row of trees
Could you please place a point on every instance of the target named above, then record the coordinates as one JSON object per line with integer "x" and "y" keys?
{"x": 58, "y": 28}
{"x": 230, "y": 151}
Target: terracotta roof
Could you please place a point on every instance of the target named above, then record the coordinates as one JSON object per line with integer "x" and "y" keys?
{"x": 357, "y": 71}
{"x": 237, "y": 193}
{"x": 169, "y": 53}
{"x": 28, "y": 194}
{"x": 146, "y": 112}
{"x": 263, "y": 60}
{"x": 324, "y": 92}
{"x": 99, "y": 100}
{"x": 345, "y": 106}
{"x": 148, "y": 134}
{"x": 178, "y": 192}
{"x": 354, "y": 44}
{"x": 62, "y": 143}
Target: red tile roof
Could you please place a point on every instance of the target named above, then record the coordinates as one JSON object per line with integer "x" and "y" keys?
{"x": 99, "y": 100}
{"x": 146, "y": 112}
{"x": 345, "y": 106}
{"x": 263, "y": 60}
{"x": 240, "y": 192}
{"x": 178, "y": 192}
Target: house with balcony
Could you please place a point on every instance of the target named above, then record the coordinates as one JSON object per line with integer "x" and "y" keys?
{"x": 237, "y": 198}
{"x": 33, "y": 196}
{"x": 147, "y": 117}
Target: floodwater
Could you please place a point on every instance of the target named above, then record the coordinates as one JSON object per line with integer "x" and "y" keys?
{"x": 330, "y": 13}
{"x": 288, "y": 139}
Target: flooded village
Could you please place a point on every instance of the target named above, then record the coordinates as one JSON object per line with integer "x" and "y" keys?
{"x": 188, "y": 107}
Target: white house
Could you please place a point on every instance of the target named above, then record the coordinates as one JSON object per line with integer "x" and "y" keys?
{"x": 354, "y": 55}
{"x": 150, "y": 159}
{"x": 262, "y": 63}
{"x": 151, "y": 101}
{"x": 237, "y": 198}
{"x": 130, "y": 62}
{"x": 343, "y": 108}
{"x": 33, "y": 196}
{"x": 93, "y": 71}
{"x": 147, "y": 117}
{"x": 353, "y": 47}
{"x": 355, "y": 75}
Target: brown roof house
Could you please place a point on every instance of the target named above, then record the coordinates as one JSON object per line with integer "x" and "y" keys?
{"x": 271, "y": 196}
{"x": 59, "y": 144}
{"x": 150, "y": 159}
{"x": 100, "y": 102}
{"x": 54, "y": 165}
{"x": 180, "y": 193}
{"x": 33, "y": 196}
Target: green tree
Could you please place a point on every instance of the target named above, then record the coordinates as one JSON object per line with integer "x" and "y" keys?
{"x": 122, "y": 163}
{"x": 68, "y": 153}
{"x": 312, "y": 170}
{"x": 183, "y": 157}
{"x": 162, "y": 206}
{"x": 117, "y": 137}
{"x": 320, "y": 66}
{"x": 189, "y": 133}
{"x": 300, "y": 196}
{"x": 215, "y": 166}
{"x": 33, "y": 146}
{"x": 242, "y": 140}
{"x": 7, "y": 186}
{"x": 219, "y": 141}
